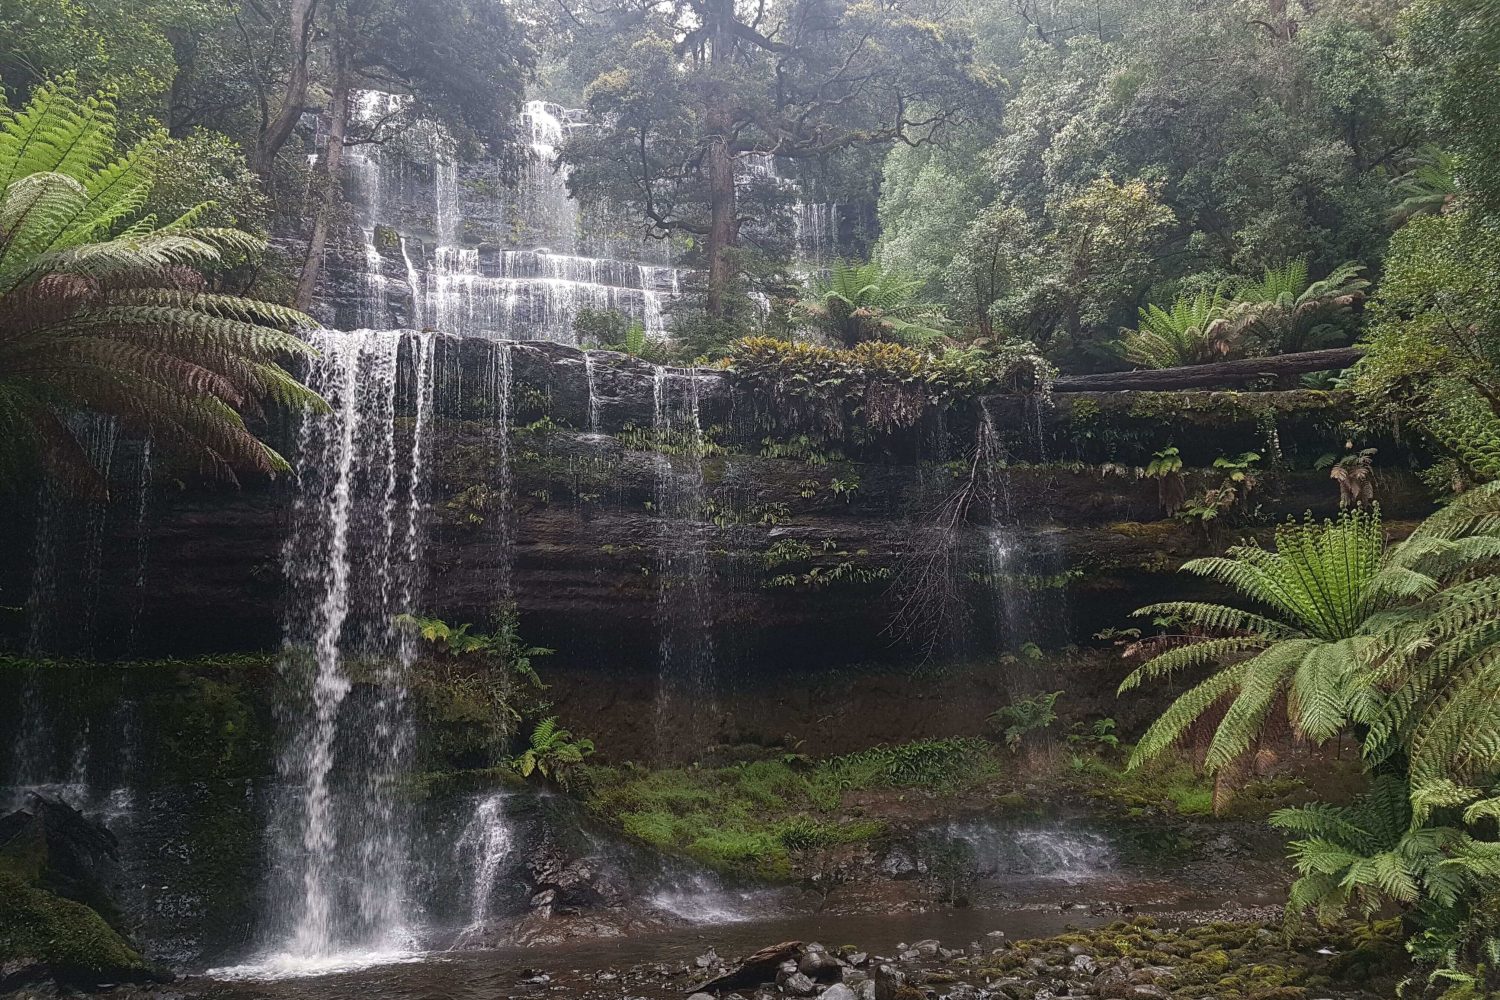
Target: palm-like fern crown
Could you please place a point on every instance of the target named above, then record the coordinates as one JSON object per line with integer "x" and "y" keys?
{"x": 1185, "y": 334}
{"x": 1429, "y": 185}
{"x": 1287, "y": 312}
{"x": 103, "y": 309}
{"x": 1278, "y": 286}
{"x": 1403, "y": 641}
{"x": 1317, "y": 591}
{"x": 863, "y": 301}
{"x": 1438, "y": 665}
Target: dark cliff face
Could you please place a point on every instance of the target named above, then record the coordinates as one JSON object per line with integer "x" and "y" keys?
{"x": 809, "y": 560}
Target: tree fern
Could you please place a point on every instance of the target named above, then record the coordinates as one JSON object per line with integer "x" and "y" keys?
{"x": 1403, "y": 644}
{"x": 1187, "y": 333}
{"x": 1284, "y": 311}
{"x": 103, "y": 309}
{"x": 1319, "y": 588}
{"x": 859, "y": 302}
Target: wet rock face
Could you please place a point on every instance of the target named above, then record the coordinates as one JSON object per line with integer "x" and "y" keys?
{"x": 59, "y": 919}
{"x": 64, "y": 852}
{"x": 804, "y": 547}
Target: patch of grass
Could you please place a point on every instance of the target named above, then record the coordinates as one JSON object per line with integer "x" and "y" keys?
{"x": 1171, "y": 784}
{"x": 752, "y": 818}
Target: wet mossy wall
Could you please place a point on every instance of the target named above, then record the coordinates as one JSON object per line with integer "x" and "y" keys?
{"x": 810, "y": 541}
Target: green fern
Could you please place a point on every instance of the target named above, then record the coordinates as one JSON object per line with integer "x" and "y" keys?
{"x": 104, "y": 309}
{"x": 1285, "y": 311}
{"x": 1187, "y": 333}
{"x": 1320, "y": 585}
{"x": 553, "y": 752}
{"x": 861, "y": 302}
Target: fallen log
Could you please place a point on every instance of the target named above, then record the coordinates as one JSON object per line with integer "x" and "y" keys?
{"x": 759, "y": 968}
{"x": 1216, "y": 375}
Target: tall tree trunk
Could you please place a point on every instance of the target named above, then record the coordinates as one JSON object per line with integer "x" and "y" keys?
{"x": 722, "y": 208}
{"x": 722, "y": 226}
{"x": 326, "y": 181}
{"x": 276, "y": 132}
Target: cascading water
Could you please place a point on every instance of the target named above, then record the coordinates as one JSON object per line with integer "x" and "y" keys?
{"x": 526, "y": 278}
{"x": 684, "y": 615}
{"x": 482, "y": 847}
{"x": 1056, "y": 852}
{"x": 1024, "y": 565}
{"x": 497, "y": 390}
{"x": 589, "y": 377}
{"x": 353, "y": 564}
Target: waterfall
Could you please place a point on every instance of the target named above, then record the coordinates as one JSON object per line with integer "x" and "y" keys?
{"x": 588, "y": 371}
{"x": 482, "y": 847}
{"x": 1057, "y": 852}
{"x": 815, "y": 225}
{"x": 526, "y": 278}
{"x": 375, "y": 300}
{"x": 497, "y": 391}
{"x": 445, "y": 206}
{"x": 684, "y": 612}
{"x": 414, "y": 282}
{"x": 1024, "y": 564}
{"x": 352, "y": 562}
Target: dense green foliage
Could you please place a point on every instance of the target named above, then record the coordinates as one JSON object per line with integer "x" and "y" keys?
{"x": 1126, "y": 167}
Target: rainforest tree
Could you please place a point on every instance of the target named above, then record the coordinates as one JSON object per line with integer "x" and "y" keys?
{"x": 687, "y": 90}
{"x": 1265, "y": 132}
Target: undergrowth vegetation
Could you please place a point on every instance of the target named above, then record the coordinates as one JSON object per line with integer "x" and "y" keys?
{"x": 750, "y": 817}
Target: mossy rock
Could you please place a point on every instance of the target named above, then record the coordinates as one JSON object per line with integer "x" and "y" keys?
{"x": 43, "y": 936}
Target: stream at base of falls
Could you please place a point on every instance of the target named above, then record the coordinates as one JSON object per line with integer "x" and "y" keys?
{"x": 1021, "y": 881}
{"x": 662, "y": 965}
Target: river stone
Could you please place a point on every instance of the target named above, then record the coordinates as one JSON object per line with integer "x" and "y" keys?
{"x": 900, "y": 865}
{"x": 819, "y": 965}
{"x": 889, "y": 983}
{"x": 838, "y": 991}
{"x": 1085, "y": 965}
{"x": 702, "y": 996}
{"x": 866, "y": 990}
{"x": 799, "y": 985}
{"x": 928, "y": 948}
{"x": 1015, "y": 989}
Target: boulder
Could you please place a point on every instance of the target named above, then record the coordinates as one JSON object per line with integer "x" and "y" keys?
{"x": 798, "y": 985}
{"x": 821, "y": 967}
{"x": 56, "y": 876}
